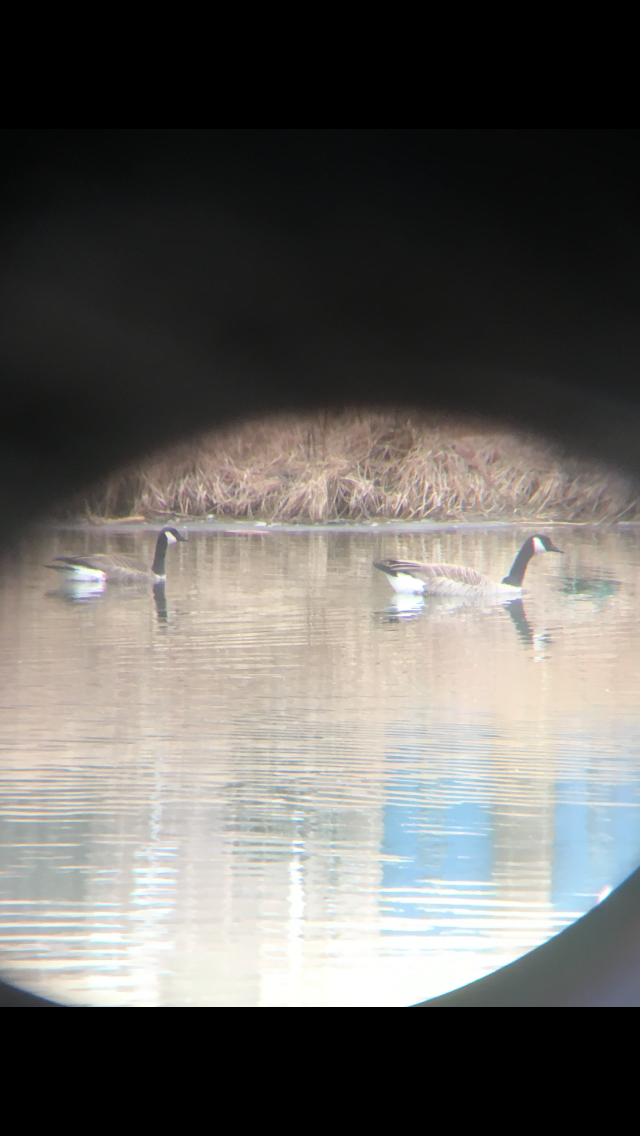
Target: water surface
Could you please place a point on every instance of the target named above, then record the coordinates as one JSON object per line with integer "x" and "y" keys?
{"x": 274, "y": 784}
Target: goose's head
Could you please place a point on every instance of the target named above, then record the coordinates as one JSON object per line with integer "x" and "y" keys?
{"x": 544, "y": 544}
{"x": 172, "y": 535}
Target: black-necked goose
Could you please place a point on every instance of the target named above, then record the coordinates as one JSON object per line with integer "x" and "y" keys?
{"x": 450, "y": 580}
{"x": 118, "y": 569}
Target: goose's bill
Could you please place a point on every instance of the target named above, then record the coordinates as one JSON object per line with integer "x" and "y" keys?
{"x": 552, "y": 548}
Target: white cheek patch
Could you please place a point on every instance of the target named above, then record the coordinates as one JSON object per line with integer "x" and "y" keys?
{"x": 538, "y": 546}
{"x": 171, "y": 538}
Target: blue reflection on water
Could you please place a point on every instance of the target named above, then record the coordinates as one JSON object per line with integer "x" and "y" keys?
{"x": 596, "y": 843}
{"x": 595, "y": 835}
{"x": 423, "y": 845}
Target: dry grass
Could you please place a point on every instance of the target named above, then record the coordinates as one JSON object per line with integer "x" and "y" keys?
{"x": 365, "y": 465}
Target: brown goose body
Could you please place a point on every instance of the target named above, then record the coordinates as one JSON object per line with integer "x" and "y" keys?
{"x": 411, "y": 577}
{"x": 118, "y": 569}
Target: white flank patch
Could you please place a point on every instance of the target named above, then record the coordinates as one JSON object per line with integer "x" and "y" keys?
{"x": 80, "y": 572}
{"x": 408, "y": 585}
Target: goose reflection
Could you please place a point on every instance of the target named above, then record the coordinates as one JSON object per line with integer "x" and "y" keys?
{"x": 538, "y": 640}
{"x": 79, "y": 591}
{"x": 160, "y": 600}
{"x": 519, "y": 617}
{"x": 83, "y": 591}
{"x": 403, "y": 607}
{"x": 408, "y": 606}
{"x": 411, "y": 607}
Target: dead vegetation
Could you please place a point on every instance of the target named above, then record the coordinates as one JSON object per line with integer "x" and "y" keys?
{"x": 360, "y": 466}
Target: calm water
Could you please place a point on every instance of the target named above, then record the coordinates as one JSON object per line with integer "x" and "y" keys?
{"x": 277, "y": 787}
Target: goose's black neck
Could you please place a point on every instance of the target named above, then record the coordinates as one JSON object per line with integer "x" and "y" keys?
{"x": 519, "y": 566}
{"x": 158, "y": 566}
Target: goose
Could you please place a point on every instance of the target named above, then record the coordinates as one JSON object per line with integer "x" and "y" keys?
{"x": 118, "y": 569}
{"x": 408, "y": 576}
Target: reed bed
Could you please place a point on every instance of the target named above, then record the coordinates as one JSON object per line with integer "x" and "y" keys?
{"x": 364, "y": 466}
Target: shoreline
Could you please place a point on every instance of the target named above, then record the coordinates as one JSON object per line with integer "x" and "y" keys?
{"x": 361, "y": 468}
{"x": 118, "y": 526}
